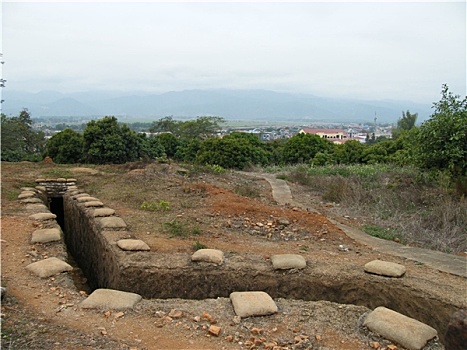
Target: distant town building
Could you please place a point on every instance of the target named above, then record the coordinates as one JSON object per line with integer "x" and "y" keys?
{"x": 333, "y": 135}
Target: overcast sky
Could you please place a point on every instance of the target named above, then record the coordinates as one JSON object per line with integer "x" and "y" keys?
{"x": 366, "y": 50}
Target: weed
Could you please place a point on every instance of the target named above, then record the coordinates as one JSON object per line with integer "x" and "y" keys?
{"x": 196, "y": 230}
{"x": 56, "y": 173}
{"x": 282, "y": 177}
{"x": 246, "y": 190}
{"x": 176, "y": 228}
{"x": 154, "y": 205}
{"x": 198, "y": 246}
{"x": 380, "y": 232}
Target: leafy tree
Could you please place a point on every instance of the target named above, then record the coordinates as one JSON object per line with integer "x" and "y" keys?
{"x": 237, "y": 150}
{"x": 169, "y": 142}
{"x": 302, "y": 148}
{"x": 187, "y": 150}
{"x": 105, "y": 141}
{"x": 19, "y": 140}
{"x": 166, "y": 124}
{"x": 65, "y": 147}
{"x": 151, "y": 148}
{"x": 405, "y": 123}
{"x": 349, "y": 152}
{"x": 442, "y": 140}
{"x": 200, "y": 128}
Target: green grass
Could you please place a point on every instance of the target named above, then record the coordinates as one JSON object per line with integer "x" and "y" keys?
{"x": 381, "y": 232}
{"x": 197, "y": 246}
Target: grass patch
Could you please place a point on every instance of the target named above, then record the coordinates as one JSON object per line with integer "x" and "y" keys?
{"x": 154, "y": 205}
{"x": 247, "y": 190}
{"x": 381, "y": 232}
{"x": 197, "y": 246}
{"x": 56, "y": 173}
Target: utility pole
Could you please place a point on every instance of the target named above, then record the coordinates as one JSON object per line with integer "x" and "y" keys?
{"x": 2, "y": 82}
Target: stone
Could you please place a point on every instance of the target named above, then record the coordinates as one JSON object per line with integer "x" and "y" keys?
{"x": 208, "y": 255}
{"x": 283, "y": 222}
{"x": 112, "y": 222}
{"x": 132, "y": 244}
{"x": 100, "y": 212}
{"x": 26, "y": 194}
{"x": 214, "y": 330}
{"x": 175, "y": 313}
{"x": 46, "y": 235}
{"x": 256, "y": 303}
{"x": 49, "y": 267}
{"x": 406, "y": 331}
{"x": 93, "y": 204}
{"x": 43, "y": 216}
{"x": 83, "y": 199}
{"x": 455, "y": 337}
{"x": 288, "y": 261}
{"x": 385, "y": 268}
{"x": 110, "y": 299}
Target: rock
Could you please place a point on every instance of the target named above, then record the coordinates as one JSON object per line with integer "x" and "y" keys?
{"x": 112, "y": 222}
{"x": 288, "y": 261}
{"x": 208, "y": 255}
{"x": 46, "y": 235}
{"x": 100, "y": 212}
{"x": 406, "y": 331}
{"x": 3, "y": 292}
{"x": 283, "y": 222}
{"x": 385, "y": 268}
{"x": 256, "y": 331}
{"x": 43, "y": 216}
{"x": 110, "y": 299}
{"x": 214, "y": 330}
{"x": 49, "y": 267}
{"x": 456, "y": 334}
{"x": 248, "y": 304}
{"x": 93, "y": 204}
{"x": 175, "y": 313}
{"x": 132, "y": 244}
{"x": 209, "y": 318}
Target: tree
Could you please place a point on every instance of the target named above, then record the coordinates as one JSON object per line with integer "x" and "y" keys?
{"x": 442, "y": 139}
{"x": 349, "y": 152}
{"x": 302, "y": 148}
{"x": 105, "y": 141}
{"x": 19, "y": 139}
{"x": 169, "y": 142}
{"x": 237, "y": 150}
{"x": 405, "y": 123}
{"x": 199, "y": 128}
{"x": 65, "y": 147}
{"x": 166, "y": 124}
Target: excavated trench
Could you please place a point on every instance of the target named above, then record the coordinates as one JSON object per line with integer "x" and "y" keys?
{"x": 157, "y": 275}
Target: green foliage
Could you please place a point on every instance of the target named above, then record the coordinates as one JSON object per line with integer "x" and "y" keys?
{"x": 405, "y": 123}
{"x": 197, "y": 246}
{"x": 180, "y": 229}
{"x": 154, "y": 205}
{"x": 442, "y": 140}
{"x": 65, "y": 147}
{"x": 105, "y": 141}
{"x": 200, "y": 128}
{"x": 19, "y": 141}
{"x": 349, "y": 153}
{"x": 380, "y": 232}
{"x": 214, "y": 168}
{"x": 187, "y": 150}
{"x": 237, "y": 151}
{"x": 151, "y": 147}
{"x": 302, "y": 148}
{"x": 169, "y": 142}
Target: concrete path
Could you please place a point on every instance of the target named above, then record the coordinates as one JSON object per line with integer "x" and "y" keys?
{"x": 456, "y": 265}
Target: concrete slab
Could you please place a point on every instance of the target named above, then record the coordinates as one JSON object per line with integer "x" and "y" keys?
{"x": 403, "y": 330}
{"x": 110, "y": 299}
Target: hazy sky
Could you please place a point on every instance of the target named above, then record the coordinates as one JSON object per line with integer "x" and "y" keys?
{"x": 367, "y": 50}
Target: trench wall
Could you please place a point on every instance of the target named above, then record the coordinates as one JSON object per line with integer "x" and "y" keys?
{"x": 93, "y": 243}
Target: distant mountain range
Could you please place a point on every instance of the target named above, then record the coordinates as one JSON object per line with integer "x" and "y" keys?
{"x": 229, "y": 104}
